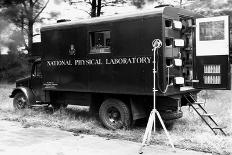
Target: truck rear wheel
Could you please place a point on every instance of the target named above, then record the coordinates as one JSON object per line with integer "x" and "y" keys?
{"x": 115, "y": 114}
{"x": 20, "y": 101}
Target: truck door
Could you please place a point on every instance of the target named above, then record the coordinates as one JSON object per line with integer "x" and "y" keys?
{"x": 36, "y": 81}
{"x": 212, "y": 66}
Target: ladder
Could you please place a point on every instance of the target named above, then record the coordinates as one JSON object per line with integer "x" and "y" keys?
{"x": 210, "y": 122}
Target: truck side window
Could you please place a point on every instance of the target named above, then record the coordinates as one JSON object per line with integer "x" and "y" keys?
{"x": 100, "y": 42}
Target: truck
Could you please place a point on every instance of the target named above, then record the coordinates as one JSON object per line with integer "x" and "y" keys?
{"x": 107, "y": 63}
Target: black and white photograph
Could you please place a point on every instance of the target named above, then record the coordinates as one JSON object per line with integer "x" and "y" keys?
{"x": 115, "y": 77}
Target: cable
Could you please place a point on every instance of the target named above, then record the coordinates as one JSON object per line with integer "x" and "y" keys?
{"x": 156, "y": 43}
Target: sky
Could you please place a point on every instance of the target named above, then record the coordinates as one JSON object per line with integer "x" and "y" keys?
{"x": 76, "y": 12}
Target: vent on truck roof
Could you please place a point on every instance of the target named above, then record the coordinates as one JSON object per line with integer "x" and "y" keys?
{"x": 63, "y": 20}
{"x": 163, "y": 5}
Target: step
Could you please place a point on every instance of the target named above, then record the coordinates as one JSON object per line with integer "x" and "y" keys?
{"x": 198, "y": 102}
{"x": 207, "y": 115}
{"x": 218, "y": 127}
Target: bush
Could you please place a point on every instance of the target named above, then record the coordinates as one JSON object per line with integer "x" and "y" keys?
{"x": 13, "y": 66}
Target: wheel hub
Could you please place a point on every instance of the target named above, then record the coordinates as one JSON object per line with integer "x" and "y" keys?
{"x": 21, "y": 102}
{"x": 114, "y": 115}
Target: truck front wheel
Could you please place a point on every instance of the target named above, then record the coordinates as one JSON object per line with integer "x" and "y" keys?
{"x": 115, "y": 114}
{"x": 20, "y": 101}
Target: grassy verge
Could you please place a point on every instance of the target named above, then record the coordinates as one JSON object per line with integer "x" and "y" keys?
{"x": 188, "y": 132}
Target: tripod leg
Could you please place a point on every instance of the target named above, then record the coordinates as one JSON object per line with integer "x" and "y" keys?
{"x": 166, "y": 131}
{"x": 147, "y": 135}
{"x": 154, "y": 122}
{"x": 150, "y": 127}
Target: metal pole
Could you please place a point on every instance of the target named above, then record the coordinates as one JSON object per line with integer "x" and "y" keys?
{"x": 154, "y": 85}
{"x": 156, "y": 44}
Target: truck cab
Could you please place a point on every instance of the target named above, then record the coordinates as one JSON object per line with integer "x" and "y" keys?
{"x": 28, "y": 90}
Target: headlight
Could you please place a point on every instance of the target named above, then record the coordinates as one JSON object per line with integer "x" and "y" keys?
{"x": 179, "y": 80}
{"x": 177, "y": 24}
{"x": 179, "y": 42}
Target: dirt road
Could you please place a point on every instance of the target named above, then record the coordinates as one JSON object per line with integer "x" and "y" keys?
{"x": 14, "y": 139}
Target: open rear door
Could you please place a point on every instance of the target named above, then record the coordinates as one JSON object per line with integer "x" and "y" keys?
{"x": 211, "y": 65}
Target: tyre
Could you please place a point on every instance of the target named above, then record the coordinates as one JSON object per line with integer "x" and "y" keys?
{"x": 115, "y": 114}
{"x": 166, "y": 116}
{"x": 20, "y": 101}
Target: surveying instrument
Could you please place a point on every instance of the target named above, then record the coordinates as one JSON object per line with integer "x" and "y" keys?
{"x": 156, "y": 44}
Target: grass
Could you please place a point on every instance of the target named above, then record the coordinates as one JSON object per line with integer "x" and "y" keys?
{"x": 188, "y": 132}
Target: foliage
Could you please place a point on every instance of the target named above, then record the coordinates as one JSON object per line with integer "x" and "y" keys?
{"x": 24, "y": 14}
{"x": 140, "y": 3}
{"x": 204, "y": 7}
{"x": 97, "y": 5}
{"x": 13, "y": 66}
{"x": 211, "y": 7}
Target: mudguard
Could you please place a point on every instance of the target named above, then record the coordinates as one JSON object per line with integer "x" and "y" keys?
{"x": 27, "y": 92}
{"x": 137, "y": 110}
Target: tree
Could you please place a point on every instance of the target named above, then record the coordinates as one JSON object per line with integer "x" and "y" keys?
{"x": 96, "y": 5}
{"x": 3, "y": 26}
{"x": 209, "y": 7}
{"x": 24, "y": 14}
{"x": 14, "y": 65}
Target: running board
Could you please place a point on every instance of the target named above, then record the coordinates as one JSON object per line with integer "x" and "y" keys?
{"x": 211, "y": 123}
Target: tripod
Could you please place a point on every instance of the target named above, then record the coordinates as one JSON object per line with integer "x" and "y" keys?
{"x": 151, "y": 121}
